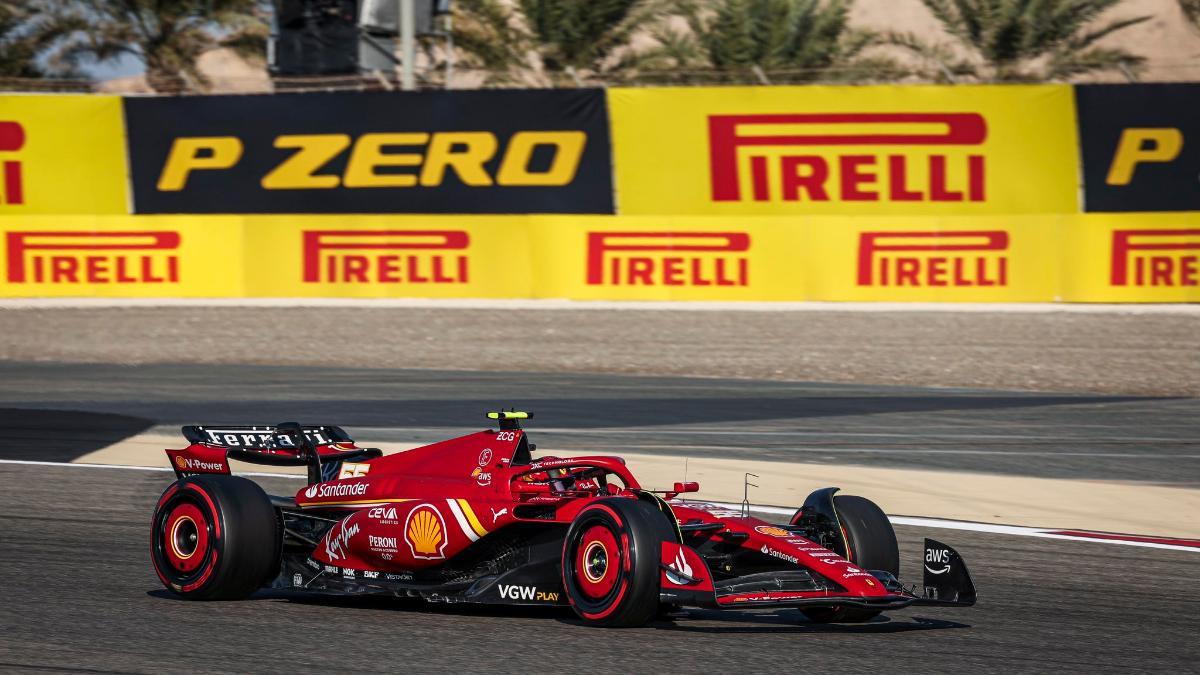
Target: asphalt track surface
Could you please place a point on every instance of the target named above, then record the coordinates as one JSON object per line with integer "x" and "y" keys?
{"x": 57, "y": 412}
{"x": 78, "y": 592}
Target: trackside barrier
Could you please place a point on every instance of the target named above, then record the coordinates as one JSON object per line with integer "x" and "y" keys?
{"x": 1025, "y": 193}
{"x": 62, "y": 154}
{"x": 1073, "y": 258}
{"x": 866, "y": 151}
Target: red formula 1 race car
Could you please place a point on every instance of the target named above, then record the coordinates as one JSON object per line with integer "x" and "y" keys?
{"x": 478, "y": 519}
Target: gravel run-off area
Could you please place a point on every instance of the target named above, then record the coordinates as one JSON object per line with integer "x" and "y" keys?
{"x": 1110, "y": 352}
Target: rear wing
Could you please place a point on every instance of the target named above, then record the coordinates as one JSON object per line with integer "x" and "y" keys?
{"x": 322, "y": 448}
{"x": 262, "y": 437}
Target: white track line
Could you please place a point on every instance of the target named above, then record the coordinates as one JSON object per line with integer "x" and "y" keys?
{"x": 1015, "y": 530}
{"x": 557, "y": 304}
{"x": 936, "y": 523}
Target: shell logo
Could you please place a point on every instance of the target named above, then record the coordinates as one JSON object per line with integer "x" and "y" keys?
{"x": 773, "y": 531}
{"x": 180, "y": 462}
{"x": 425, "y": 532}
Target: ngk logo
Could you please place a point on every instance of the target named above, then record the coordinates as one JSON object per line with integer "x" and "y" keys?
{"x": 93, "y": 257}
{"x": 386, "y": 256}
{"x": 1156, "y": 258}
{"x": 962, "y": 258}
{"x": 784, "y": 164}
{"x": 668, "y": 258}
{"x": 12, "y": 139}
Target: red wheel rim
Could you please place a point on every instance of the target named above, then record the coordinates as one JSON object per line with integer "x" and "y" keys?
{"x": 598, "y": 562}
{"x": 185, "y": 538}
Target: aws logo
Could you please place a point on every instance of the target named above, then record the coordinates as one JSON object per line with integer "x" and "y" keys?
{"x": 418, "y": 159}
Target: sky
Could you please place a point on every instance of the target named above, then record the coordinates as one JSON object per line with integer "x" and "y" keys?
{"x": 122, "y": 66}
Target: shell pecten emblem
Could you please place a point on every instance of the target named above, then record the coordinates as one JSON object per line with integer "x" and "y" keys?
{"x": 425, "y": 532}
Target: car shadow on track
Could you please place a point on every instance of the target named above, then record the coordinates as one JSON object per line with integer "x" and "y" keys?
{"x": 792, "y": 621}
{"x": 687, "y": 621}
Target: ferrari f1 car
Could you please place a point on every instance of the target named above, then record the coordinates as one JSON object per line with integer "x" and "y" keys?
{"x": 478, "y": 519}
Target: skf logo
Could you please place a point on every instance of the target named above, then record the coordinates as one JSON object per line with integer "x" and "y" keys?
{"x": 93, "y": 257}
{"x": 12, "y": 139}
{"x": 784, "y": 164}
{"x": 386, "y": 256}
{"x": 375, "y": 162}
{"x": 961, "y": 258}
{"x": 1155, "y": 258}
{"x": 668, "y": 258}
{"x": 1143, "y": 146}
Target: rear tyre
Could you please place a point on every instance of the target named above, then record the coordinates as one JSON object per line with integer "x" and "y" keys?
{"x": 215, "y": 538}
{"x": 870, "y": 544}
{"x": 611, "y": 559}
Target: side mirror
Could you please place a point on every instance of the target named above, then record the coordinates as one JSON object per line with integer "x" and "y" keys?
{"x": 690, "y": 486}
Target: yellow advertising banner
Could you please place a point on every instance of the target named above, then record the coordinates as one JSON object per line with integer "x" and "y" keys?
{"x": 389, "y": 256}
{"x": 1132, "y": 258}
{"x": 984, "y": 259}
{"x": 883, "y": 150}
{"x": 1076, "y": 258}
{"x": 62, "y": 154}
{"x": 981, "y": 259}
{"x": 121, "y": 256}
{"x": 668, "y": 258}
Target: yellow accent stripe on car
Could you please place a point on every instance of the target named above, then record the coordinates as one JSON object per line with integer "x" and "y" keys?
{"x": 475, "y": 524}
{"x": 461, "y": 519}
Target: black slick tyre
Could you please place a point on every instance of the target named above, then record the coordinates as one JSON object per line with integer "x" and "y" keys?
{"x": 214, "y": 537}
{"x": 870, "y": 544}
{"x": 610, "y": 562}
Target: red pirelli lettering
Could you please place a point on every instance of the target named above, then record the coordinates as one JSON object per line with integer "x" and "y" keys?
{"x": 72, "y": 257}
{"x": 327, "y": 256}
{"x": 896, "y": 258}
{"x": 678, "y": 261}
{"x": 803, "y": 176}
{"x": 1135, "y": 263}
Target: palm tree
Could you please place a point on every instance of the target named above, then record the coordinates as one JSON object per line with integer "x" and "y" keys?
{"x": 545, "y": 41}
{"x": 168, "y": 36}
{"x": 25, "y": 35}
{"x": 1192, "y": 9}
{"x": 1024, "y": 40}
{"x": 768, "y": 41}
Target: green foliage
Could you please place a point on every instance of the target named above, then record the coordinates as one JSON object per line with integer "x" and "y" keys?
{"x": 168, "y": 36}
{"x": 25, "y": 35}
{"x": 1192, "y": 9}
{"x": 529, "y": 39}
{"x": 1024, "y": 40}
{"x": 770, "y": 40}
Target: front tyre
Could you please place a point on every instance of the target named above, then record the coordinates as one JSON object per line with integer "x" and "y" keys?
{"x": 870, "y": 544}
{"x": 611, "y": 559}
{"x": 214, "y": 538}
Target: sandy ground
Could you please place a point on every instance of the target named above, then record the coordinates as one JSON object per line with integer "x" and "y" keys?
{"x": 1125, "y": 353}
{"x": 1037, "y": 502}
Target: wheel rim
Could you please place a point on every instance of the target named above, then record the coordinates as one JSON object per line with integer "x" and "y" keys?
{"x": 598, "y": 562}
{"x": 185, "y": 538}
